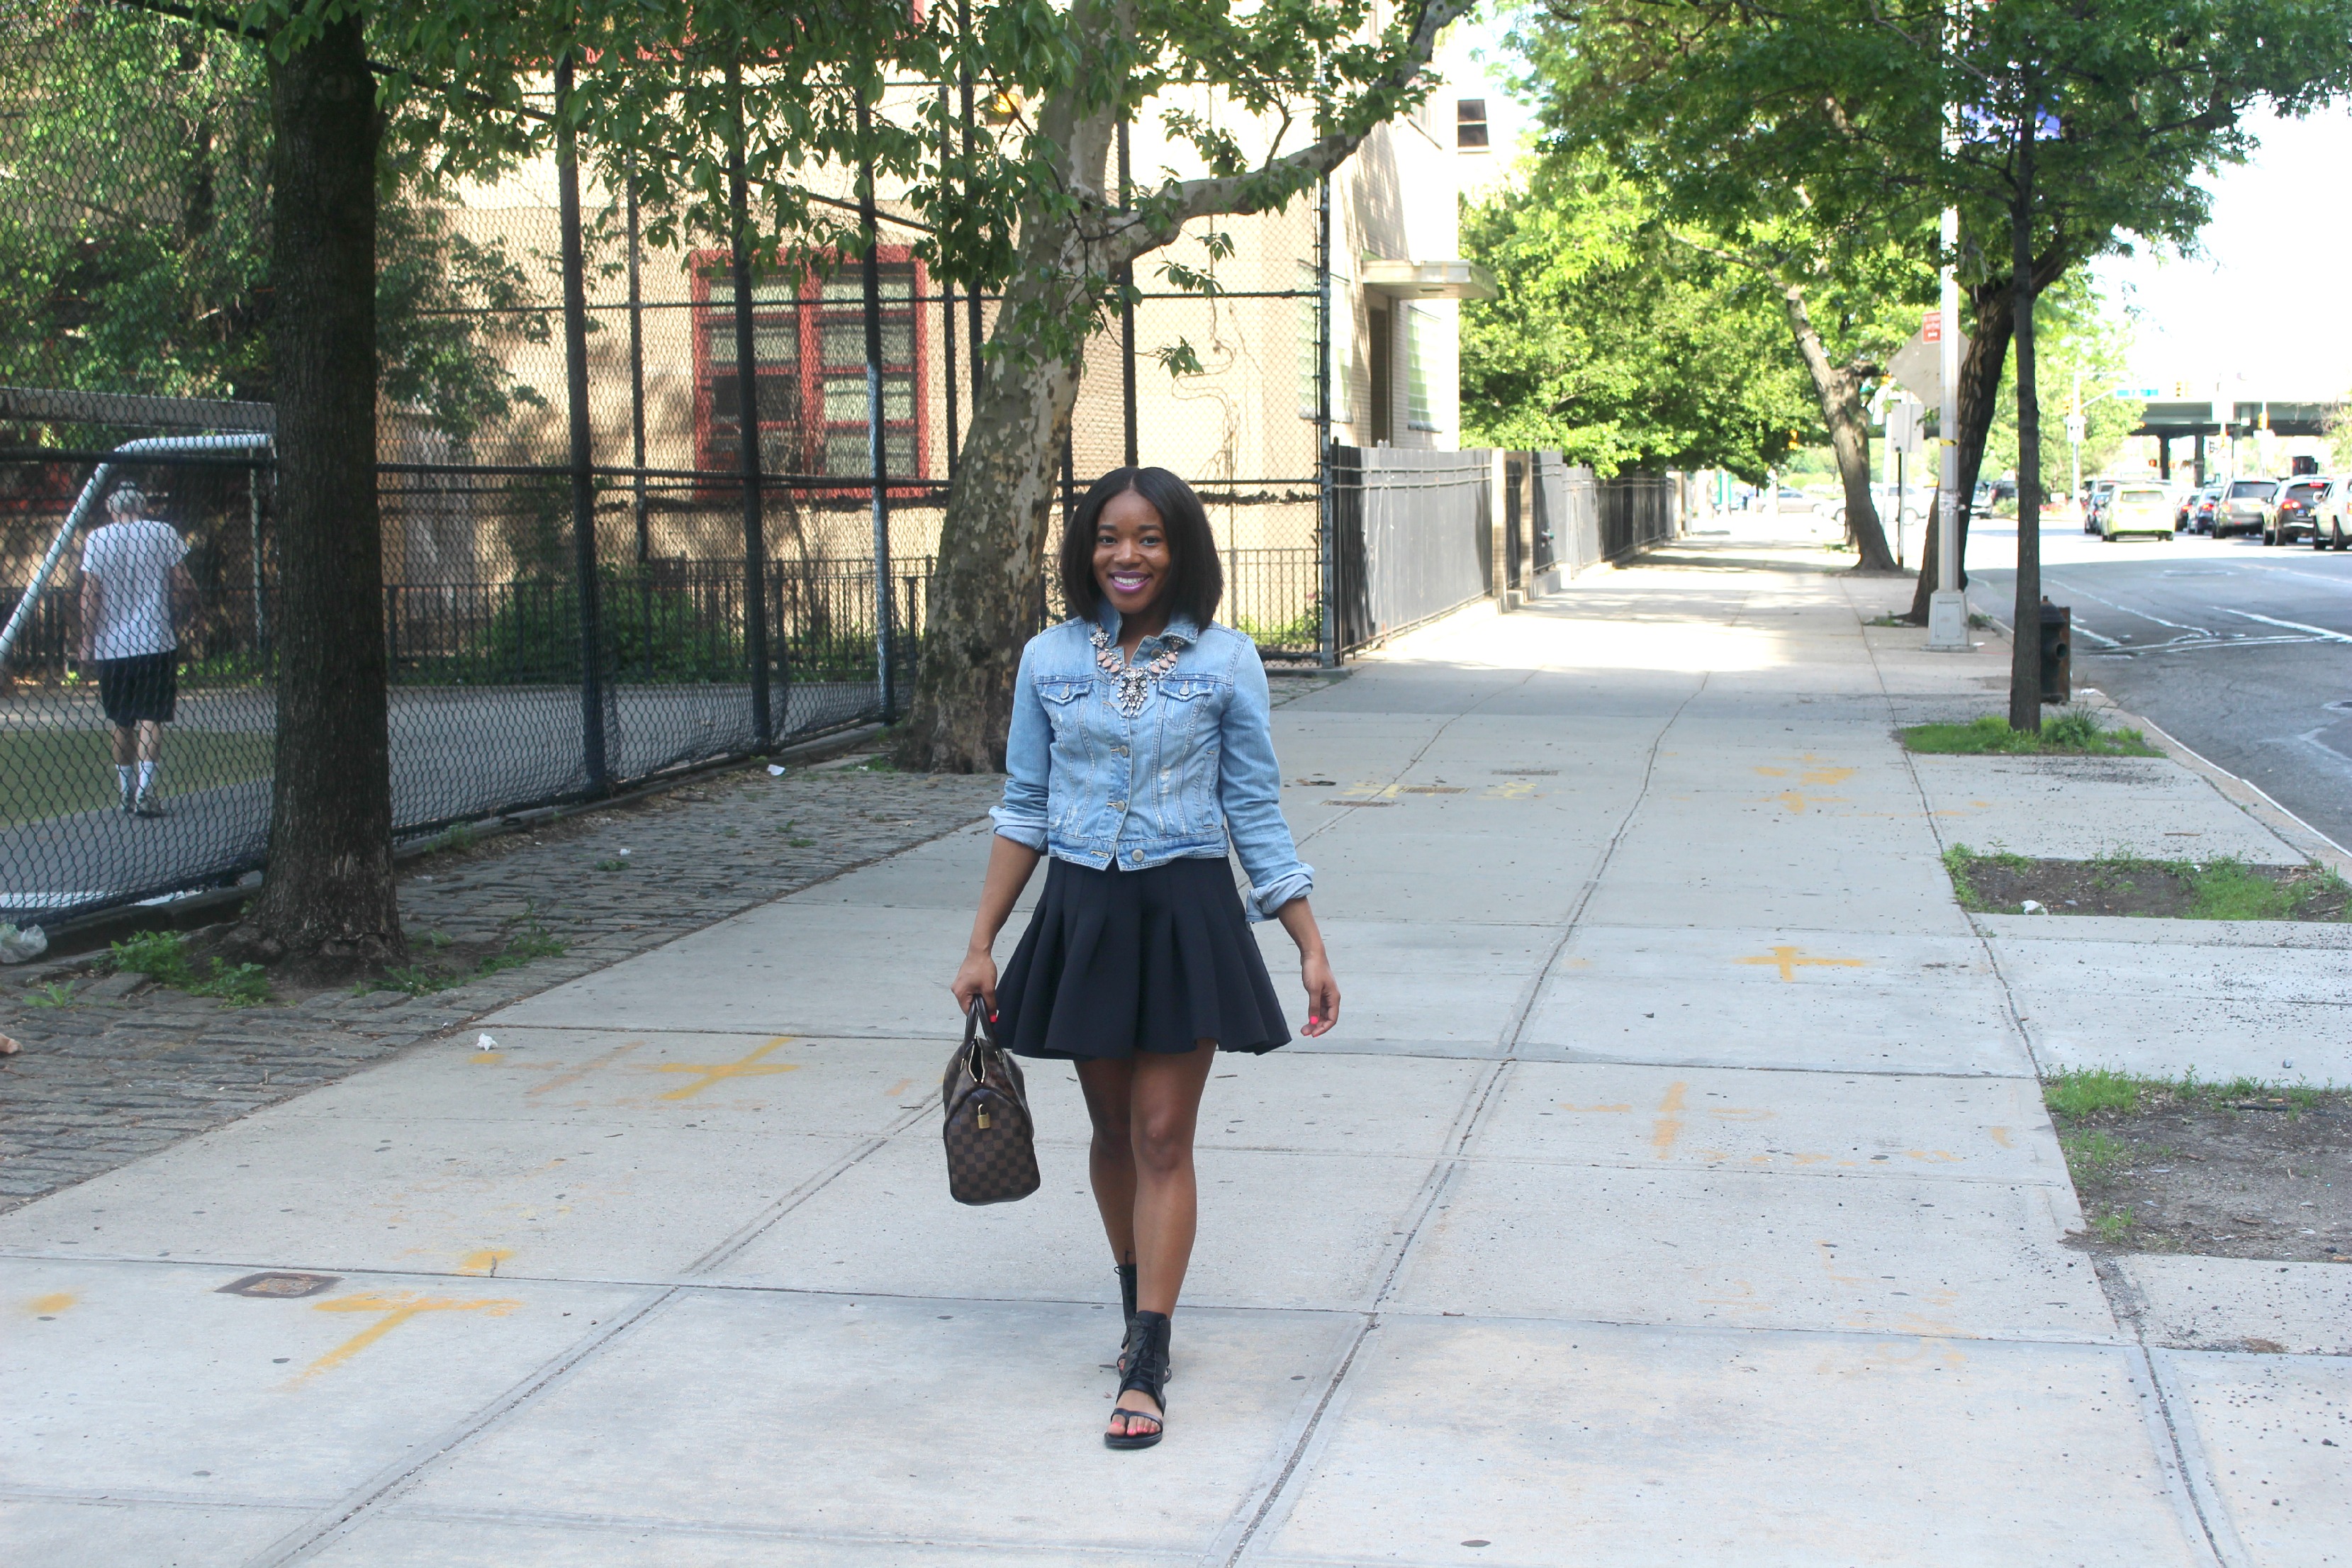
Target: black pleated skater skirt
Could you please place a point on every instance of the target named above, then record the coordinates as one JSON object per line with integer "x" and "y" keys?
{"x": 1119, "y": 962}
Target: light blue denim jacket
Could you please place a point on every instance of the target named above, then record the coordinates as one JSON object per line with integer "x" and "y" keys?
{"x": 1083, "y": 782}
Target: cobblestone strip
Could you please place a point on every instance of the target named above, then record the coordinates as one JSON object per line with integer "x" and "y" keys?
{"x": 130, "y": 1068}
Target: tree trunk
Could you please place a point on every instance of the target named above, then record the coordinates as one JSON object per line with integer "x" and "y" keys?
{"x": 328, "y": 902}
{"x": 1992, "y": 305}
{"x": 1838, "y": 388}
{"x": 991, "y": 562}
{"x": 2025, "y": 622}
{"x": 992, "y": 544}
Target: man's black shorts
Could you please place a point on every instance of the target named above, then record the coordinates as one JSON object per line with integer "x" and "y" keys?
{"x": 141, "y": 689}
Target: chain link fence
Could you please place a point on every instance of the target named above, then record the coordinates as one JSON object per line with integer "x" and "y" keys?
{"x": 525, "y": 669}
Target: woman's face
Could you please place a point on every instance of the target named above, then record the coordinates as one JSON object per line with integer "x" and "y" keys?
{"x": 1131, "y": 556}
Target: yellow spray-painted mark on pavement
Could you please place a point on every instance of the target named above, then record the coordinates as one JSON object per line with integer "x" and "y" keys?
{"x": 1668, "y": 1127}
{"x": 1513, "y": 789}
{"x": 1788, "y": 960}
{"x": 50, "y": 1305}
{"x": 484, "y": 1262}
{"x": 1816, "y": 775}
{"x": 719, "y": 1072}
{"x": 563, "y": 1076}
{"x": 898, "y": 1089}
{"x": 1797, "y": 802}
{"x": 2000, "y": 1136}
{"x": 565, "y": 1079}
{"x": 397, "y": 1308}
{"x": 1592, "y": 1110}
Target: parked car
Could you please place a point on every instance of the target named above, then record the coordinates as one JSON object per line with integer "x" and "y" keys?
{"x": 2331, "y": 527}
{"x": 1914, "y": 504}
{"x": 2246, "y": 509}
{"x": 1791, "y": 498}
{"x": 2204, "y": 502}
{"x": 2096, "y": 495}
{"x": 2136, "y": 508}
{"x": 2297, "y": 511}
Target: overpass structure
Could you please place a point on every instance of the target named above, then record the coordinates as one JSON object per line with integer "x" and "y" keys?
{"x": 2194, "y": 417}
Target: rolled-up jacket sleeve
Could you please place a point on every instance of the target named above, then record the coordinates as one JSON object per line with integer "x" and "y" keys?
{"x": 1249, "y": 790}
{"x": 1028, "y": 760}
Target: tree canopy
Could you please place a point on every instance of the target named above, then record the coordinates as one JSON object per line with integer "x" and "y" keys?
{"x": 134, "y": 235}
{"x": 1616, "y": 345}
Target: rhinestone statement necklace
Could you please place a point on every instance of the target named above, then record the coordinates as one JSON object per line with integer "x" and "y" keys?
{"x": 1130, "y": 683}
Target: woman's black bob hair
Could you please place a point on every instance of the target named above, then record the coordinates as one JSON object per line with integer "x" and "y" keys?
{"x": 1195, "y": 580}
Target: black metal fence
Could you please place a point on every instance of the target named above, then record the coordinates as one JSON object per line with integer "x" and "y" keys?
{"x": 587, "y": 579}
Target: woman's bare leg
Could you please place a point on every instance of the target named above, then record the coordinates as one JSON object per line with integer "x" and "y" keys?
{"x": 1163, "y": 1107}
{"x": 1109, "y": 1087}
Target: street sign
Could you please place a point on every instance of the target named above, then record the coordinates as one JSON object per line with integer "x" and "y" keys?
{"x": 2075, "y": 429}
{"x": 2138, "y": 394}
{"x": 1905, "y": 424}
{"x": 1931, "y": 326}
{"x": 1919, "y": 366}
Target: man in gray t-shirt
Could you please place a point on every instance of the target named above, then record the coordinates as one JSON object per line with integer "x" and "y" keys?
{"x": 133, "y": 590}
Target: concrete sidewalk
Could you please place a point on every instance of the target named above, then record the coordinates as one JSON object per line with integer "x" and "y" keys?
{"x": 1676, "y": 1190}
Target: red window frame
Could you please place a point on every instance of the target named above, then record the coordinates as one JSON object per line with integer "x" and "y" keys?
{"x": 807, "y": 425}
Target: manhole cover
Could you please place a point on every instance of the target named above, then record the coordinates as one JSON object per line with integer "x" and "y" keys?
{"x": 280, "y": 1286}
{"x": 1528, "y": 773}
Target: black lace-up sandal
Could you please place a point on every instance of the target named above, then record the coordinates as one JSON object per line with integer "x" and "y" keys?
{"x": 1147, "y": 1372}
{"x": 1127, "y": 1301}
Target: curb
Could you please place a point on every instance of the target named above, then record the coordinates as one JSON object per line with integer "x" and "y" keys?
{"x": 2246, "y": 796}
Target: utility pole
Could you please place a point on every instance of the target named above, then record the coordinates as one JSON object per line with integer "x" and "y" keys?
{"x": 1947, "y": 606}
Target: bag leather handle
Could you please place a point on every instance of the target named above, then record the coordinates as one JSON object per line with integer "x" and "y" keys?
{"x": 976, "y": 1029}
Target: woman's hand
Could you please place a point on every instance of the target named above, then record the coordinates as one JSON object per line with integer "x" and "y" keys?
{"x": 1314, "y": 968}
{"x": 977, "y": 978}
{"x": 1322, "y": 992}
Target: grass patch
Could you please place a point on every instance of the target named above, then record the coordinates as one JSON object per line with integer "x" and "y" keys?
{"x": 2076, "y": 734}
{"x": 162, "y": 957}
{"x": 2113, "y": 1226}
{"x": 59, "y": 772}
{"x": 2093, "y": 1155}
{"x": 52, "y": 994}
{"x": 457, "y": 837}
{"x": 2218, "y": 890}
{"x": 2087, "y": 1090}
{"x": 612, "y": 865}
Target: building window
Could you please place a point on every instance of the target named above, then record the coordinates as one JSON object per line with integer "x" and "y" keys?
{"x": 808, "y": 340}
{"x": 1420, "y": 354}
{"x": 1470, "y": 124}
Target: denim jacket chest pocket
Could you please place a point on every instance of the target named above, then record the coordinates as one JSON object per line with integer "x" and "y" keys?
{"x": 1189, "y": 710}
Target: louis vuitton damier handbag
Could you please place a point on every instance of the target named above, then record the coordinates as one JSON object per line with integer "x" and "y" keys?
{"x": 991, "y": 1152}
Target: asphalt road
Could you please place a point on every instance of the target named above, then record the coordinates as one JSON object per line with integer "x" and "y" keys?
{"x": 2244, "y": 653}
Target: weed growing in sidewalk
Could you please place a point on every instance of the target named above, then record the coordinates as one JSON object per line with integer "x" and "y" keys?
{"x": 2076, "y": 734}
{"x": 533, "y": 941}
{"x": 52, "y": 994}
{"x": 162, "y": 957}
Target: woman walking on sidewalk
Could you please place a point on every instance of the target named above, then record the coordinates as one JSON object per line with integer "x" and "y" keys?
{"x": 1140, "y": 740}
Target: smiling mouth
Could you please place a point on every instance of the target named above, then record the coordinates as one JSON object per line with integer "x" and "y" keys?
{"x": 1131, "y": 582}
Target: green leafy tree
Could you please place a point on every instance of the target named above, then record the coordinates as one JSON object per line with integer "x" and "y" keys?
{"x": 1614, "y": 344}
{"x": 1834, "y": 112}
{"x": 1617, "y": 79}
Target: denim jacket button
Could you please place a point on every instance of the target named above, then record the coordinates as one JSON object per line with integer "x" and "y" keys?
{"x": 1135, "y": 854}
{"x": 1119, "y": 805}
